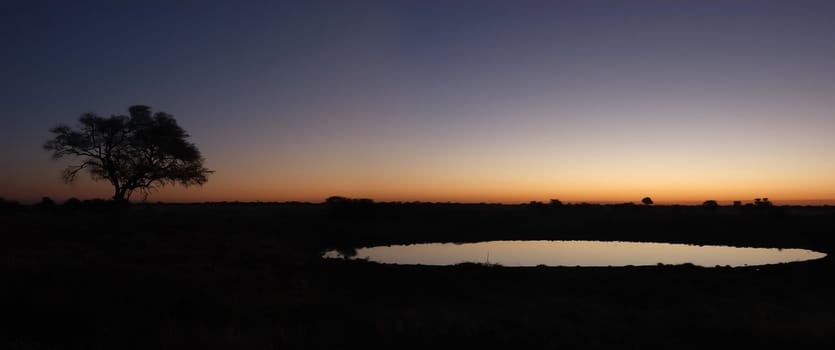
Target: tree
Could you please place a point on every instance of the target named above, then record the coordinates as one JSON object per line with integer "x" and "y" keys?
{"x": 142, "y": 151}
{"x": 647, "y": 201}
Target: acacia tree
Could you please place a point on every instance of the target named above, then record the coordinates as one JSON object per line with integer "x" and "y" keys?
{"x": 141, "y": 151}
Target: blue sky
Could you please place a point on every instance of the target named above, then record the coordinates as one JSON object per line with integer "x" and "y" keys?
{"x": 440, "y": 100}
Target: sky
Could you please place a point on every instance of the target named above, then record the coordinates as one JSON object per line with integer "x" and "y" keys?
{"x": 463, "y": 101}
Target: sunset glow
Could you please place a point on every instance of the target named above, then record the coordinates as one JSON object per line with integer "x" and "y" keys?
{"x": 472, "y": 101}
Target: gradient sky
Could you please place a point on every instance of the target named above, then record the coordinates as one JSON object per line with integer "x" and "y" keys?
{"x": 497, "y": 101}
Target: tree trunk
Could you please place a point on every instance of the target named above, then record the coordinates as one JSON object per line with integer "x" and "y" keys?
{"x": 119, "y": 196}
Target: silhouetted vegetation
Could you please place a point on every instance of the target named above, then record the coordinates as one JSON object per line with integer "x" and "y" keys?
{"x": 140, "y": 151}
{"x": 72, "y": 203}
{"x": 647, "y": 201}
{"x": 46, "y": 203}
{"x": 710, "y": 205}
{"x": 344, "y": 207}
{"x": 762, "y": 202}
{"x": 7, "y": 206}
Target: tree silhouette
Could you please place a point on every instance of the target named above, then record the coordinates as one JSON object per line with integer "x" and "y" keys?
{"x": 142, "y": 151}
{"x": 647, "y": 201}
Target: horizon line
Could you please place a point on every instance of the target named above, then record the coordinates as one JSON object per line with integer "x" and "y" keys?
{"x": 777, "y": 202}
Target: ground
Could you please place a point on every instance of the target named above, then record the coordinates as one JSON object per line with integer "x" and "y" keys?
{"x": 250, "y": 276}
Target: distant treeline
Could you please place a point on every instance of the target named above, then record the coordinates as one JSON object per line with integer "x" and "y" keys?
{"x": 340, "y": 203}
{"x": 343, "y": 222}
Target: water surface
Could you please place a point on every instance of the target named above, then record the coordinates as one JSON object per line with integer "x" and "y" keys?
{"x": 577, "y": 253}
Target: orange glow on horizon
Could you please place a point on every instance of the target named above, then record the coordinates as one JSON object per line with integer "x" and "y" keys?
{"x": 503, "y": 180}
{"x": 488, "y": 103}
{"x": 454, "y": 192}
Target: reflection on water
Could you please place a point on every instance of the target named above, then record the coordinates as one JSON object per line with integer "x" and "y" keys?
{"x": 577, "y": 253}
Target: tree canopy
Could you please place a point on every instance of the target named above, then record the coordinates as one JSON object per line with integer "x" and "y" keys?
{"x": 141, "y": 151}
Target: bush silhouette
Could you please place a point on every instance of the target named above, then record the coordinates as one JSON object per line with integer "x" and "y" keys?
{"x": 72, "y": 202}
{"x": 46, "y": 203}
{"x": 710, "y": 204}
{"x": 7, "y": 206}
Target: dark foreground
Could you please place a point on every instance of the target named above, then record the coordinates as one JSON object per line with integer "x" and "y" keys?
{"x": 249, "y": 276}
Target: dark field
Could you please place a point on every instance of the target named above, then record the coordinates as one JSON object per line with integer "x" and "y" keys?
{"x": 249, "y": 276}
